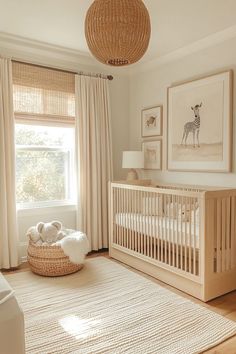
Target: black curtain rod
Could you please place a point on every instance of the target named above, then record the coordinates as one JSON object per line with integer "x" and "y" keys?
{"x": 108, "y": 77}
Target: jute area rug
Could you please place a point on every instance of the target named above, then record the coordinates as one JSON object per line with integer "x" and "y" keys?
{"x": 106, "y": 308}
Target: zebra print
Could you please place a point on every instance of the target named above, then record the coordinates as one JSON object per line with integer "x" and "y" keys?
{"x": 197, "y": 122}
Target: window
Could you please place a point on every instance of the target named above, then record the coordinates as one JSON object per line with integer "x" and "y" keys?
{"x": 44, "y": 107}
{"x": 44, "y": 165}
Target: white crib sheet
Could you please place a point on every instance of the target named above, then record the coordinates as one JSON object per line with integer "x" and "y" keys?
{"x": 160, "y": 227}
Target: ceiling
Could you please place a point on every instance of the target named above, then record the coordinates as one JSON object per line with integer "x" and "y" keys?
{"x": 175, "y": 23}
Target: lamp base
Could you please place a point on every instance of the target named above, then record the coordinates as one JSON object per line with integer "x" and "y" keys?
{"x": 132, "y": 175}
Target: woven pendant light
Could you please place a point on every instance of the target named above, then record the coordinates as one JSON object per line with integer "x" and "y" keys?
{"x": 117, "y": 31}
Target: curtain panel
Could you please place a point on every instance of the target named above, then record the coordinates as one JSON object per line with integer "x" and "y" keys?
{"x": 8, "y": 221}
{"x": 93, "y": 130}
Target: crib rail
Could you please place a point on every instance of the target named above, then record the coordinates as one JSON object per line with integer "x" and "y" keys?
{"x": 160, "y": 225}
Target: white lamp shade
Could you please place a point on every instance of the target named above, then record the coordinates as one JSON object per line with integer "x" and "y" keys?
{"x": 133, "y": 159}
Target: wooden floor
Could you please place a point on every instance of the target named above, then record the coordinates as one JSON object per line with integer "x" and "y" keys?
{"x": 224, "y": 305}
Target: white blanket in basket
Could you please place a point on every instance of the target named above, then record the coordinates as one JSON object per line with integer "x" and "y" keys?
{"x": 75, "y": 246}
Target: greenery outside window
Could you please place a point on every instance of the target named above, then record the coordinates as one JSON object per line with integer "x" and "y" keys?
{"x": 44, "y": 165}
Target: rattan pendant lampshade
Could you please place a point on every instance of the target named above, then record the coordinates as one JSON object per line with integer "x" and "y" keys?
{"x": 117, "y": 31}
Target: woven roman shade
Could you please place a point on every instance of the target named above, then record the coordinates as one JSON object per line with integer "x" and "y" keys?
{"x": 43, "y": 94}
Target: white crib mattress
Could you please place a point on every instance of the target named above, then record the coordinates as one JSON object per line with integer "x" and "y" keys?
{"x": 161, "y": 227}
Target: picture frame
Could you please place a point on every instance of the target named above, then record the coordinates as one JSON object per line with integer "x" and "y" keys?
{"x": 151, "y": 121}
{"x": 152, "y": 150}
{"x": 199, "y": 119}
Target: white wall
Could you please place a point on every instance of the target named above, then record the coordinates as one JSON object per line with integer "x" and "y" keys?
{"x": 120, "y": 122}
{"x": 149, "y": 88}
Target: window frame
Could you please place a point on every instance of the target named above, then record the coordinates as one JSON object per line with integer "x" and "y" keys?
{"x": 71, "y": 185}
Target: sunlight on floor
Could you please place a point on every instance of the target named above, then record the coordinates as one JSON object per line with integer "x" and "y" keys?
{"x": 79, "y": 328}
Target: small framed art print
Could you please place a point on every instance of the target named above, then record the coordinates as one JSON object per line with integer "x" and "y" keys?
{"x": 151, "y": 121}
{"x": 152, "y": 154}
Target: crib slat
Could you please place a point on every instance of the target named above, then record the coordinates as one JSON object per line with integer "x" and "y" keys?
{"x": 119, "y": 215}
{"x": 130, "y": 194}
{"x": 170, "y": 207}
{"x": 194, "y": 236}
{"x": 132, "y": 219}
{"x": 115, "y": 216}
{"x": 228, "y": 254}
{"x": 155, "y": 219}
{"x": 174, "y": 231}
{"x": 190, "y": 235}
{"x": 145, "y": 227}
{"x": 128, "y": 230}
{"x": 148, "y": 224}
{"x": 162, "y": 229}
{"x": 177, "y": 234}
{"x": 218, "y": 234}
{"x": 151, "y": 215}
{"x": 140, "y": 209}
{"x": 130, "y": 216}
{"x": 135, "y": 222}
{"x": 139, "y": 220}
{"x": 125, "y": 198}
{"x": 114, "y": 213}
{"x": 142, "y": 224}
{"x": 125, "y": 218}
{"x": 157, "y": 225}
{"x": 165, "y": 233}
{"x": 135, "y": 215}
{"x": 151, "y": 224}
{"x": 185, "y": 238}
{"x": 171, "y": 223}
{"x": 122, "y": 215}
{"x": 223, "y": 233}
{"x": 232, "y": 232}
{"x": 129, "y": 212}
{"x": 181, "y": 233}
{"x": 171, "y": 228}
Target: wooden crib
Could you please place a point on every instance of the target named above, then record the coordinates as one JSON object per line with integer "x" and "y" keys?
{"x": 182, "y": 235}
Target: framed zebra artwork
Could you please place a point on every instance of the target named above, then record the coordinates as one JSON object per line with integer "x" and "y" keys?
{"x": 151, "y": 121}
{"x": 200, "y": 124}
{"x": 152, "y": 154}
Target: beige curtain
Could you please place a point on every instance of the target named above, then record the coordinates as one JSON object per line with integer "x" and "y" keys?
{"x": 95, "y": 157}
{"x": 8, "y": 222}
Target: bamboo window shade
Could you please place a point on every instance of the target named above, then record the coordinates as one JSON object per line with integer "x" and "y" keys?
{"x": 43, "y": 94}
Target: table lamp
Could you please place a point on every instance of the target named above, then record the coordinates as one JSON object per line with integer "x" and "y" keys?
{"x": 132, "y": 160}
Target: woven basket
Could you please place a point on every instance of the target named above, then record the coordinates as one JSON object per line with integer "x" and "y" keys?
{"x": 50, "y": 261}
